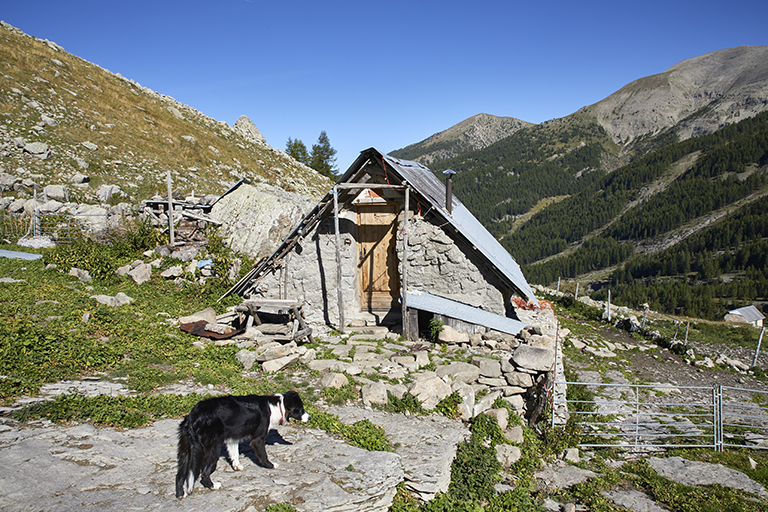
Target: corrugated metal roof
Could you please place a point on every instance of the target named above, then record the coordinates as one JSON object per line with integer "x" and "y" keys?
{"x": 440, "y": 305}
{"x": 462, "y": 220}
{"x": 750, "y": 313}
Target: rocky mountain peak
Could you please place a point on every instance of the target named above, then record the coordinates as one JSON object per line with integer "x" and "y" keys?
{"x": 476, "y": 132}
{"x": 700, "y": 94}
{"x": 248, "y": 130}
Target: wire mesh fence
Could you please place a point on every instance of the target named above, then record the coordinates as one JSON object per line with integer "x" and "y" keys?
{"x": 60, "y": 228}
{"x": 652, "y": 416}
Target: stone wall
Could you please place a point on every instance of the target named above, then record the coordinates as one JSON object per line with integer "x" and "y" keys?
{"x": 312, "y": 272}
{"x": 436, "y": 263}
{"x": 442, "y": 266}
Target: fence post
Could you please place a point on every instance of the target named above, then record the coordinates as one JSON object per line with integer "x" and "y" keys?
{"x": 170, "y": 209}
{"x": 757, "y": 350}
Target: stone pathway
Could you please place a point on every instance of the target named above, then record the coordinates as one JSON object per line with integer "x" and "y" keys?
{"x": 86, "y": 468}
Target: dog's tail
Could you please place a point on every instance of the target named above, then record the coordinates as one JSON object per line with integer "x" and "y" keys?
{"x": 186, "y": 474}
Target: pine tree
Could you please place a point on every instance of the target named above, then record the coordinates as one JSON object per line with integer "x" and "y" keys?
{"x": 323, "y": 157}
{"x": 297, "y": 150}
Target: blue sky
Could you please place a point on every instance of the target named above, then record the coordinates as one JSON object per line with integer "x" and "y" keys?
{"x": 386, "y": 74}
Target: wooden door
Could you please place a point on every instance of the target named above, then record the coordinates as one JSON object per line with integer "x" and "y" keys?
{"x": 377, "y": 256}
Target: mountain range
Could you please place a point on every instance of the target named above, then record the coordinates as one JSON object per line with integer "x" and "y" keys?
{"x": 655, "y": 191}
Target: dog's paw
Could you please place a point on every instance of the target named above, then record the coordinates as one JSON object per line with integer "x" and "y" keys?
{"x": 237, "y": 466}
{"x": 275, "y": 465}
{"x": 216, "y": 485}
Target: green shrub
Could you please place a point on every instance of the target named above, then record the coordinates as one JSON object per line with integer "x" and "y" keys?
{"x": 474, "y": 471}
{"x": 362, "y": 434}
{"x": 408, "y": 403}
{"x": 435, "y": 328}
{"x": 98, "y": 259}
{"x": 486, "y": 429}
{"x": 280, "y": 507}
{"x": 121, "y": 411}
{"x": 449, "y": 406}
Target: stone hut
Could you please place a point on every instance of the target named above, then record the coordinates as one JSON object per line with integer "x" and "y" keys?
{"x": 747, "y": 315}
{"x": 389, "y": 226}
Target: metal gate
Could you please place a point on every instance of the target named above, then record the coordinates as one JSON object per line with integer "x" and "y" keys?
{"x": 647, "y": 416}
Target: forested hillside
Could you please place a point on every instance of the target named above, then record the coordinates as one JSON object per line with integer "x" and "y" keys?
{"x": 508, "y": 178}
{"x": 709, "y": 222}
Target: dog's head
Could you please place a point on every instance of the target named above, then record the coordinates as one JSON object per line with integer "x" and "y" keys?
{"x": 294, "y": 407}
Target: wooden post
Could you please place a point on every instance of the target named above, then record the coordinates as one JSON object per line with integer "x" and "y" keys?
{"x": 757, "y": 350}
{"x": 285, "y": 275}
{"x": 576, "y": 295}
{"x": 645, "y": 315}
{"x": 609, "y": 305}
{"x": 170, "y": 209}
{"x": 404, "y": 273}
{"x": 339, "y": 293}
{"x": 558, "y": 285}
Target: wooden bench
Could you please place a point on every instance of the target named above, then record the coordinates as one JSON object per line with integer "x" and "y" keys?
{"x": 293, "y": 308}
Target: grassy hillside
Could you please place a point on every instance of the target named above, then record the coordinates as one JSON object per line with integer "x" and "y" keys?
{"x": 53, "y": 97}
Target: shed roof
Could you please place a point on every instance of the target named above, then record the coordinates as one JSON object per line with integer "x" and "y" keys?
{"x": 431, "y": 188}
{"x": 750, "y": 313}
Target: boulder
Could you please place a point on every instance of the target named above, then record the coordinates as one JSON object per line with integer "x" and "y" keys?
{"x": 57, "y": 192}
{"x": 38, "y": 150}
{"x": 507, "y": 454}
{"x": 501, "y": 415}
{"x": 430, "y": 391}
{"x": 81, "y": 274}
{"x": 534, "y": 358}
{"x": 486, "y": 402}
{"x": 467, "y": 394}
{"x": 245, "y": 127}
{"x": 247, "y": 358}
{"x": 451, "y": 336}
{"x": 375, "y": 393}
{"x": 207, "y": 314}
{"x": 515, "y": 434}
{"x": 519, "y": 379}
{"x": 171, "y": 272}
{"x": 118, "y": 300}
{"x": 275, "y": 365}
{"x": 276, "y": 351}
{"x": 141, "y": 274}
{"x": 334, "y": 380}
{"x": 488, "y": 367}
{"x": 464, "y": 372}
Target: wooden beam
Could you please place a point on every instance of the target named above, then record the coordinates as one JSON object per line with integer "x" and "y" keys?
{"x": 350, "y": 186}
{"x": 339, "y": 293}
{"x": 404, "y": 273}
{"x": 201, "y": 217}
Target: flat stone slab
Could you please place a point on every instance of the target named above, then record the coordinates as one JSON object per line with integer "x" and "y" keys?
{"x": 689, "y": 472}
{"x": 561, "y": 475}
{"x": 426, "y": 445}
{"x": 635, "y": 501}
{"x": 81, "y": 467}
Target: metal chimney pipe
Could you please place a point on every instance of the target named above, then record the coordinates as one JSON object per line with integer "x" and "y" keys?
{"x": 449, "y": 190}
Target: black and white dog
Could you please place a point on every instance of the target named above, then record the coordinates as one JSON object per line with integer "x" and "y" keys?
{"x": 229, "y": 420}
